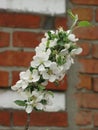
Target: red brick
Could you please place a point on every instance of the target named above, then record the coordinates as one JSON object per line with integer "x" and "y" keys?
{"x": 19, "y": 20}
{"x": 4, "y": 39}
{"x": 26, "y": 39}
{"x": 95, "y": 50}
{"x": 58, "y": 119}
{"x": 95, "y": 84}
{"x": 87, "y": 100}
{"x": 86, "y": 49}
{"x": 15, "y": 58}
{"x": 85, "y": 82}
{"x": 40, "y": 118}
{"x": 88, "y": 33}
{"x": 15, "y": 77}
{"x": 19, "y": 118}
{"x": 61, "y": 22}
{"x": 89, "y": 65}
{"x": 96, "y": 119}
{"x": 4, "y": 118}
{"x": 84, "y": 118}
{"x": 83, "y": 13}
{"x": 61, "y": 87}
{"x": 4, "y": 78}
{"x": 87, "y": 2}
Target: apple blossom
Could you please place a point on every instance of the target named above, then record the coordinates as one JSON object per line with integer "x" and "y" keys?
{"x": 53, "y": 58}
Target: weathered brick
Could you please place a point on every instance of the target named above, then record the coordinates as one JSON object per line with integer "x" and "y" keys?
{"x": 8, "y": 58}
{"x": 85, "y": 82}
{"x": 88, "y": 33}
{"x": 96, "y": 119}
{"x": 60, "y": 22}
{"x": 95, "y": 84}
{"x": 4, "y": 79}
{"x": 87, "y": 2}
{"x": 84, "y": 118}
{"x": 19, "y": 118}
{"x": 58, "y": 119}
{"x": 89, "y": 65}
{"x": 19, "y": 20}
{"x": 26, "y": 39}
{"x": 86, "y": 49}
{"x": 4, "y": 118}
{"x": 4, "y": 39}
{"x": 83, "y": 13}
{"x": 95, "y": 50}
{"x": 87, "y": 100}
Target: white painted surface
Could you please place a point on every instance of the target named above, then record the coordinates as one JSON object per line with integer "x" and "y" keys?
{"x": 8, "y": 97}
{"x": 38, "y": 6}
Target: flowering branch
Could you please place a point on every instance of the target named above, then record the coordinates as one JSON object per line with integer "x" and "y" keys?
{"x": 53, "y": 58}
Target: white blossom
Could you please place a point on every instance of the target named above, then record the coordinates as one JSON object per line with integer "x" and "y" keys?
{"x": 20, "y": 84}
{"x": 72, "y": 38}
{"x": 35, "y": 76}
{"x": 29, "y": 108}
{"x": 26, "y": 76}
{"x": 53, "y": 42}
{"x": 53, "y": 58}
{"x": 41, "y": 58}
{"x": 76, "y": 51}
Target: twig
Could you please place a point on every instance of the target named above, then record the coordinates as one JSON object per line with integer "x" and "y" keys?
{"x": 28, "y": 122}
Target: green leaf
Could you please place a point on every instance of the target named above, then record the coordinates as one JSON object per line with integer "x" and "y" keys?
{"x": 49, "y": 33}
{"x": 41, "y": 87}
{"x": 20, "y": 103}
{"x": 31, "y": 69}
{"x": 51, "y": 93}
{"x": 84, "y": 24}
{"x": 60, "y": 42}
{"x": 71, "y": 48}
{"x": 61, "y": 60}
{"x": 47, "y": 44}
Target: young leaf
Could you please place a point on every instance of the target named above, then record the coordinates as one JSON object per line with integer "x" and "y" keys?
{"x": 84, "y": 24}
{"x": 60, "y": 60}
{"x": 41, "y": 87}
{"x": 71, "y": 14}
{"x": 51, "y": 93}
{"x": 20, "y": 103}
{"x": 49, "y": 34}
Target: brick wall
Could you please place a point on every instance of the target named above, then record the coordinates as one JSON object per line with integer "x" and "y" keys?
{"x": 87, "y": 90}
{"x": 20, "y": 33}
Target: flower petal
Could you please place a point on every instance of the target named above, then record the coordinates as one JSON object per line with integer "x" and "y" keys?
{"x": 29, "y": 109}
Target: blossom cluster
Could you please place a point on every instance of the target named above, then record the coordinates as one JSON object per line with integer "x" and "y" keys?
{"x": 53, "y": 58}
